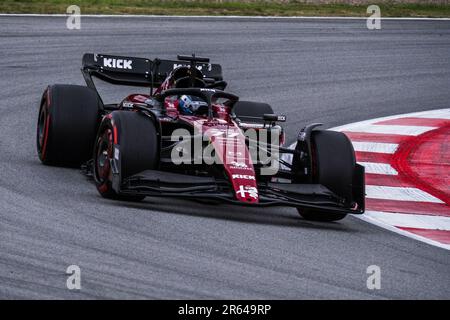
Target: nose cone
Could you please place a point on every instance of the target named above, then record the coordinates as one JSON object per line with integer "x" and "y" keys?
{"x": 242, "y": 177}
{"x": 247, "y": 193}
{"x": 229, "y": 144}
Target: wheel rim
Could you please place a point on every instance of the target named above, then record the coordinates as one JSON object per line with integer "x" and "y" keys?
{"x": 103, "y": 156}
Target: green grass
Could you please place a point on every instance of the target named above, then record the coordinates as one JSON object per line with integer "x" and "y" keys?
{"x": 212, "y": 7}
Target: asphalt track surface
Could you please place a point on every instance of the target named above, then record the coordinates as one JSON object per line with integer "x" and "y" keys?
{"x": 330, "y": 71}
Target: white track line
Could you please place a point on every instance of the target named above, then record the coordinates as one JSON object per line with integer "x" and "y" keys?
{"x": 215, "y": 17}
{"x": 390, "y": 129}
{"x": 399, "y": 194}
{"x": 433, "y": 114}
{"x": 388, "y": 226}
{"x": 377, "y": 147}
{"x": 378, "y": 168}
{"x": 411, "y": 220}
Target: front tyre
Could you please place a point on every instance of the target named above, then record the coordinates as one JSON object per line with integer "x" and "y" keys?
{"x": 333, "y": 166}
{"x": 131, "y": 139}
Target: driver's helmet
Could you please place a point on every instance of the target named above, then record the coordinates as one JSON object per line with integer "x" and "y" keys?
{"x": 190, "y": 105}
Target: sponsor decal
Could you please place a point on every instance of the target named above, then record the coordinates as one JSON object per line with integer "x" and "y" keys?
{"x": 222, "y": 132}
{"x": 117, "y": 63}
{"x": 240, "y": 165}
{"x": 243, "y": 191}
{"x": 281, "y": 118}
{"x": 243, "y": 176}
{"x": 178, "y": 65}
{"x": 128, "y": 105}
{"x": 200, "y": 67}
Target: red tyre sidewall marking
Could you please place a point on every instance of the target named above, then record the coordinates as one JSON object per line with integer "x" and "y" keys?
{"x": 104, "y": 187}
{"x": 115, "y": 135}
{"x": 44, "y": 145}
{"x": 47, "y": 124}
{"x": 48, "y": 97}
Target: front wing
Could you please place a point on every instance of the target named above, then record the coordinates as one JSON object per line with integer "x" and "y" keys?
{"x": 168, "y": 184}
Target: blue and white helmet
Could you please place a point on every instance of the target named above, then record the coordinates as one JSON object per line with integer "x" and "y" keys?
{"x": 189, "y": 105}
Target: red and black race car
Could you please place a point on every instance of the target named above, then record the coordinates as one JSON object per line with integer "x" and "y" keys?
{"x": 186, "y": 137}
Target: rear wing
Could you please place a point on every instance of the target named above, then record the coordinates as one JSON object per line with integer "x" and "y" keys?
{"x": 137, "y": 71}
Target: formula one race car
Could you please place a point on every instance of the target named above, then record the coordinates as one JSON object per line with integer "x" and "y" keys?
{"x": 188, "y": 138}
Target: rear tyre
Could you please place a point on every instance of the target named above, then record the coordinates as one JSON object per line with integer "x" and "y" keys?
{"x": 132, "y": 138}
{"x": 334, "y": 165}
{"x": 67, "y": 125}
